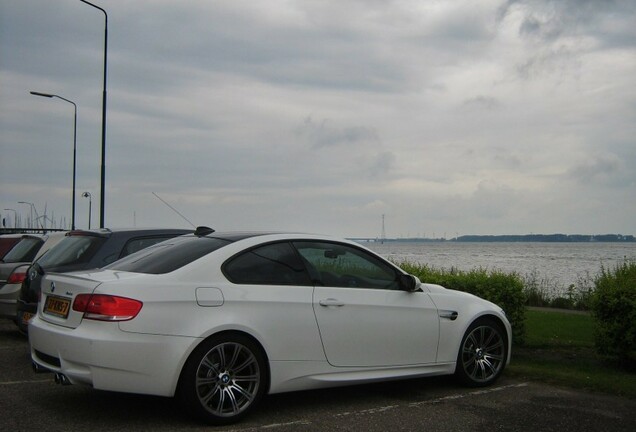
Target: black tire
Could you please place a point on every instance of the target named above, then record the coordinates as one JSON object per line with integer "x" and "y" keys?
{"x": 24, "y": 329}
{"x": 223, "y": 379}
{"x": 482, "y": 353}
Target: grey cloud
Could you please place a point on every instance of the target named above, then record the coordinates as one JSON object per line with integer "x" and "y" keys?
{"x": 548, "y": 62}
{"x": 242, "y": 44}
{"x": 482, "y": 102}
{"x": 605, "y": 168}
{"x": 557, "y": 33}
{"x": 549, "y": 29}
{"x": 326, "y": 134}
{"x": 383, "y": 164}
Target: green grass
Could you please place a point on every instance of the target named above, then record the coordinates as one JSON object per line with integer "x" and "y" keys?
{"x": 559, "y": 349}
{"x": 554, "y": 329}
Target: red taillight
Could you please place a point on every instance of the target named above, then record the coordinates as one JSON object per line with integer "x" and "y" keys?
{"x": 17, "y": 277}
{"x": 103, "y": 307}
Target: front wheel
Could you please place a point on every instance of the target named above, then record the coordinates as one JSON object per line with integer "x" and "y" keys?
{"x": 223, "y": 379}
{"x": 482, "y": 354}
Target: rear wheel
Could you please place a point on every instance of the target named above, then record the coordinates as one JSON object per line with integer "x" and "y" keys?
{"x": 223, "y": 379}
{"x": 482, "y": 354}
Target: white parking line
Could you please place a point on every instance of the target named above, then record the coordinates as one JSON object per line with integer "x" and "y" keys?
{"x": 465, "y": 395}
{"x": 26, "y": 382}
{"x": 370, "y": 411}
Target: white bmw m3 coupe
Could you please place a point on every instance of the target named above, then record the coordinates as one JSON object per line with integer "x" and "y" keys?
{"x": 220, "y": 319}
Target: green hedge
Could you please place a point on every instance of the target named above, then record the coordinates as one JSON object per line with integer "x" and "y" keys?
{"x": 614, "y": 309}
{"x": 503, "y": 289}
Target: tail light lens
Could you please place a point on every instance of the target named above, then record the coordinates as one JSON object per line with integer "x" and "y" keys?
{"x": 18, "y": 275}
{"x": 103, "y": 307}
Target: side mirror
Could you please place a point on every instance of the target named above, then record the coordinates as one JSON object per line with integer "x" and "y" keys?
{"x": 409, "y": 283}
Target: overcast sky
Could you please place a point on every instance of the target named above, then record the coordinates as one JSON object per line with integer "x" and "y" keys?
{"x": 447, "y": 117}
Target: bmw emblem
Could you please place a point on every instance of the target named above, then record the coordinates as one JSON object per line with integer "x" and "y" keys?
{"x": 32, "y": 274}
{"x": 52, "y": 286}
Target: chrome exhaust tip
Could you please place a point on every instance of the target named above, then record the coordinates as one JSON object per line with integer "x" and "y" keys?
{"x": 62, "y": 379}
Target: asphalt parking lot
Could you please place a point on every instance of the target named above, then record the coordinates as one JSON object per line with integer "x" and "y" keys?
{"x": 32, "y": 401}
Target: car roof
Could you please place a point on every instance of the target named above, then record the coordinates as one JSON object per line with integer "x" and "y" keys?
{"x": 235, "y": 236}
{"x": 107, "y": 232}
{"x": 109, "y": 245}
{"x": 239, "y": 235}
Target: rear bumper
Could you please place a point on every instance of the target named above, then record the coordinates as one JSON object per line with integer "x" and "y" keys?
{"x": 9, "y": 294}
{"x": 102, "y": 356}
{"x": 23, "y": 306}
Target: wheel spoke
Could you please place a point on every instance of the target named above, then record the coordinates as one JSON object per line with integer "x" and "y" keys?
{"x": 482, "y": 336}
{"x": 221, "y": 353}
{"x": 496, "y": 346}
{"x": 248, "y": 362}
{"x": 496, "y": 357}
{"x": 247, "y": 378}
{"x": 240, "y": 390}
{"x": 207, "y": 363}
{"x": 235, "y": 356}
{"x": 482, "y": 368}
{"x": 473, "y": 341}
{"x": 221, "y": 401}
{"x": 488, "y": 365}
{"x": 207, "y": 381}
{"x": 491, "y": 336}
{"x": 233, "y": 403}
{"x": 206, "y": 398}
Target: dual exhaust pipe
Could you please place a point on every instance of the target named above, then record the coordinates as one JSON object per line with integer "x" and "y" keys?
{"x": 60, "y": 378}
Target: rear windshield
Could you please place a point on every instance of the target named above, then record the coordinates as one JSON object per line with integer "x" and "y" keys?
{"x": 71, "y": 250}
{"x": 169, "y": 255}
{"x": 24, "y": 251}
{"x": 6, "y": 243}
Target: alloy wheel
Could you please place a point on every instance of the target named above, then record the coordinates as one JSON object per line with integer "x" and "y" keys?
{"x": 227, "y": 379}
{"x": 483, "y": 354}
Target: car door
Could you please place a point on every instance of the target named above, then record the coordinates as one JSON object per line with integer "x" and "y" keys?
{"x": 272, "y": 294}
{"x": 364, "y": 318}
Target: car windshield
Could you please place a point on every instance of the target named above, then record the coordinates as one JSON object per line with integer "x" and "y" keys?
{"x": 24, "y": 251}
{"x": 169, "y": 255}
{"x": 71, "y": 250}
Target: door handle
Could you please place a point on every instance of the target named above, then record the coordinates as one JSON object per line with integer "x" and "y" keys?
{"x": 331, "y": 302}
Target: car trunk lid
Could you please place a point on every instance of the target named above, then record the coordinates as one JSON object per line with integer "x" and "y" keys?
{"x": 59, "y": 291}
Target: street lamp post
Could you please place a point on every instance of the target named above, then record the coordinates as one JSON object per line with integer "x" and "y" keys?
{"x": 47, "y": 95}
{"x": 103, "y": 167}
{"x": 90, "y": 201}
{"x": 15, "y": 217}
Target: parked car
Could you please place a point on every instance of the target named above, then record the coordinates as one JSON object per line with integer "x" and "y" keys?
{"x": 220, "y": 319}
{"x": 7, "y": 241}
{"x": 15, "y": 264}
{"x": 82, "y": 250}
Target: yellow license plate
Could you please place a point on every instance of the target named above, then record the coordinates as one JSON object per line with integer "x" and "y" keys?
{"x": 26, "y": 316}
{"x": 57, "y": 306}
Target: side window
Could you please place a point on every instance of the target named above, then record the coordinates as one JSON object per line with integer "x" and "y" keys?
{"x": 340, "y": 265}
{"x": 137, "y": 244}
{"x": 272, "y": 264}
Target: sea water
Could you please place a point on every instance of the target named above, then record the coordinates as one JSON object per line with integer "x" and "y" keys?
{"x": 558, "y": 265}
